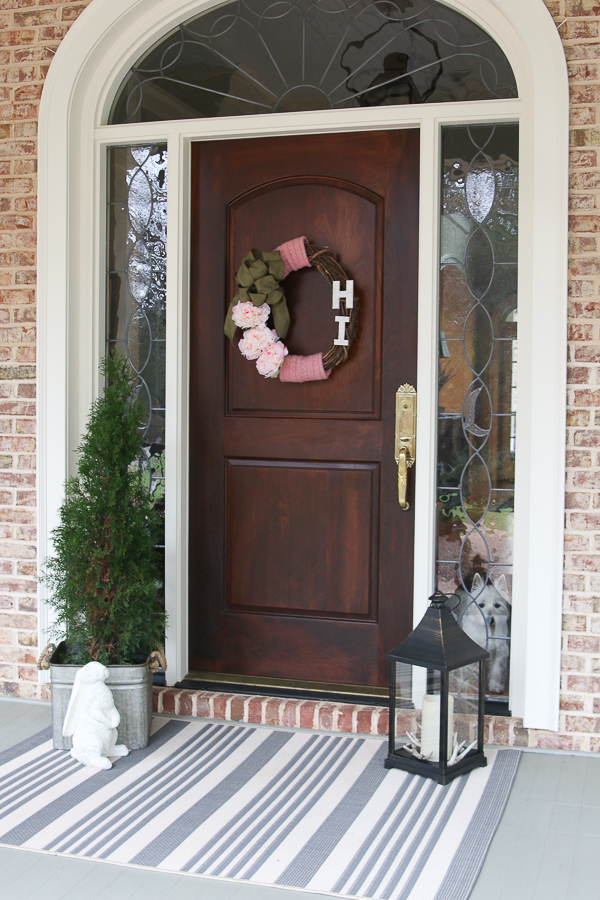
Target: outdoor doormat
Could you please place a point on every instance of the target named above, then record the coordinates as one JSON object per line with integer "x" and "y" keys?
{"x": 279, "y": 807}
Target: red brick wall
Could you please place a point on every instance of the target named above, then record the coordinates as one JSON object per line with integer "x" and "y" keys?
{"x": 29, "y": 34}
{"x": 579, "y": 26}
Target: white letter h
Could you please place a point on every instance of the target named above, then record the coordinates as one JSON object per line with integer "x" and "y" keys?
{"x": 347, "y": 295}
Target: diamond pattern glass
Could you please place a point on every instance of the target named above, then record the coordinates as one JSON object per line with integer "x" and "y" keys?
{"x": 477, "y": 384}
{"x": 136, "y": 289}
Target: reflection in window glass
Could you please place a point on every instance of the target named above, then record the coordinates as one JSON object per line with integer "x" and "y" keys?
{"x": 136, "y": 289}
{"x": 254, "y": 56}
{"x": 477, "y": 384}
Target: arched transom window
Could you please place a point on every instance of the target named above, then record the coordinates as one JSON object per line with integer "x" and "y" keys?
{"x": 269, "y": 56}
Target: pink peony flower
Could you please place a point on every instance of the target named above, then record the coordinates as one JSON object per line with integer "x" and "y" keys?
{"x": 247, "y": 315}
{"x": 269, "y": 362}
{"x": 256, "y": 340}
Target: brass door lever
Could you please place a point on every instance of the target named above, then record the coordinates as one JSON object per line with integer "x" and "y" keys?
{"x": 404, "y": 448}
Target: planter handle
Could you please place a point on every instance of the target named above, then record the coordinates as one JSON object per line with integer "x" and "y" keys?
{"x": 158, "y": 660}
{"x": 44, "y": 660}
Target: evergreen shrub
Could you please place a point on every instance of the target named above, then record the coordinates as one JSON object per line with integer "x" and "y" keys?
{"x": 102, "y": 579}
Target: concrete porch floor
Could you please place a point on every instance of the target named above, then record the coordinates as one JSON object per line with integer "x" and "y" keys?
{"x": 545, "y": 847}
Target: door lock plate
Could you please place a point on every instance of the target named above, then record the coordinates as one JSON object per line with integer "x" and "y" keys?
{"x": 406, "y": 422}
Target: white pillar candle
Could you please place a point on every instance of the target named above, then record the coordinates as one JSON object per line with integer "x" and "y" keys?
{"x": 430, "y": 726}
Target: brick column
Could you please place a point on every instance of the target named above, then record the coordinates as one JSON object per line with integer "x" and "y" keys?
{"x": 29, "y": 36}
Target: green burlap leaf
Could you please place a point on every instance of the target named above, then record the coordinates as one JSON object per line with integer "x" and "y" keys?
{"x": 258, "y": 280}
{"x": 275, "y": 297}
{"x": 258, "y": 269}
{"x": 244, "y": 277}
{"x": 281, "y": 318}
{"x": 277, "y": 268}
{"x": 267, "y": 284}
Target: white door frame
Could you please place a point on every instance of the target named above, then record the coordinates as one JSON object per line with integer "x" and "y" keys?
{"x": 89, "y": 66}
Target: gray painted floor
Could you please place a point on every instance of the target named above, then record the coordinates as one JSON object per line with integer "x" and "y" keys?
{"x": 545, "y": 847}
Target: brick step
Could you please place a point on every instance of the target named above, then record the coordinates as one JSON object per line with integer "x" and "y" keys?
{"x": 258, "y": 710}
{"x": 310, "y": 714}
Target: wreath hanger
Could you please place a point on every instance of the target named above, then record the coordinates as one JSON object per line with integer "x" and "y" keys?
{"x": 260, "y": 295}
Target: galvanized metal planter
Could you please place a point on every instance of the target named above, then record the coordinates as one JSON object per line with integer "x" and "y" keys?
{"x": 132, "y": 691}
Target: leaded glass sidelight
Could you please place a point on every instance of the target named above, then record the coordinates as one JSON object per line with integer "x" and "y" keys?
{"x": 136, "y": 288}
{"x": 477, "y": 384}
{"x": 259, "y": 56}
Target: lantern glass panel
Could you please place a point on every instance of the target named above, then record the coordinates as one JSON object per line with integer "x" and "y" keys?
{"x": 464, "y": 691}
{"x": 417, "y": 698}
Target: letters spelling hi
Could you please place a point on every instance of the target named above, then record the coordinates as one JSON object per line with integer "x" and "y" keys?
{"x": 348, "y": 297}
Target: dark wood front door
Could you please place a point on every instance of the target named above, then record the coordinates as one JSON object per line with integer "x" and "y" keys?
{"x": 300, "y": 556}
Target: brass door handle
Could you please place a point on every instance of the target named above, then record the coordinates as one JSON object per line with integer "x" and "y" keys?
{"x": 403, "y": 478}
{"x": 406, "y": 426}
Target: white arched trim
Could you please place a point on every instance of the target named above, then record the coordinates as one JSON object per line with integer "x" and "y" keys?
{"x": 86, "y": 71}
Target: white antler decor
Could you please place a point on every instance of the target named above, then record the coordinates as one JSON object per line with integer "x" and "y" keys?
{"x": 459, "y": 751}
{"x": 414, "y": 746}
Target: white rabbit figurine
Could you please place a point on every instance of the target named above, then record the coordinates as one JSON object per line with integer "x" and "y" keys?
{"x": 93, "y": 719}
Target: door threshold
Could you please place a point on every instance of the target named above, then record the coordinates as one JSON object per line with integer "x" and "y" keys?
{"x": 286, "y": 688}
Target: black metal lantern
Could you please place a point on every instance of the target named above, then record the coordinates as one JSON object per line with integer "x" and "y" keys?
{"x": 437, "y": 671}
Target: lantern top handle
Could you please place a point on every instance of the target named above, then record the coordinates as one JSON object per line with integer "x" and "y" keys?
{"x": 438, "y": 600}
{"x": 438, "y": 641}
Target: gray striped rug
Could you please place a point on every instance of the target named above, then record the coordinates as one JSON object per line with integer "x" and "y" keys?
{"x": 280, "y": 807}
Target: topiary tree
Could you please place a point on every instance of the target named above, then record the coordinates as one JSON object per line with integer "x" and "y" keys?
{"x": 103, "y": 577}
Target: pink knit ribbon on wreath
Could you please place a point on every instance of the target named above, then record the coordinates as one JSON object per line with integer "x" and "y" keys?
{"x": 303, "y": 368}
{"x": 293, "y": 254}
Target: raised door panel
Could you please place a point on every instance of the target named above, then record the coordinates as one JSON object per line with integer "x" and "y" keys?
{"x": 301, "y": 649}
{"x": 349, "y": 219}
{"x": 302, "y": 538}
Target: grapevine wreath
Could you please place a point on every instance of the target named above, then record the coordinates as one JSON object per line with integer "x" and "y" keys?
{"x": 260, "y": 294}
